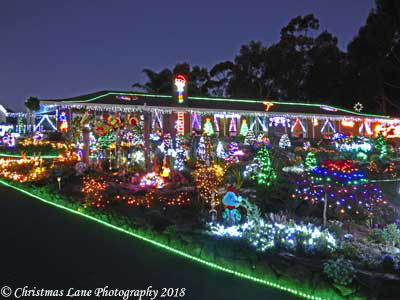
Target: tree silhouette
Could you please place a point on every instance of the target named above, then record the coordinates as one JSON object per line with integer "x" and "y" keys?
{"x": 33, "y": 104}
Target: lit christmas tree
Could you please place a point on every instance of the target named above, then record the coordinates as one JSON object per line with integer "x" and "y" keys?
{"x": 204, "y": 149}
{"x": 209, "y": 180}
{"x": 266, "y": 174}
{"x": 346, "y": 188}
{"x": 232, "y": 148}
{"x": 311, "y": 161}
{"x": 208, "y": 128}
{"x": 221, "y": 151}
{"x": 391, "y": 170}
{"x": 250, "y": 138}
{"x": 381, "y": 145}
{"x": 201, "y": 149}
{"x": 233, "y": 152}
{"x": 244, "y": 128}
{"x": 166, "y": 145}
{"x": 180, "y": 153}
{"x": 105, "y": 141}
{"x": 284, "y": 142}
{"x": 372, "y": 167}
{"x": 252, "y": 169}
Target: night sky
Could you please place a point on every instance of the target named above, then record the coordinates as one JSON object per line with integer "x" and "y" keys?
{"x": 56, "y": 49}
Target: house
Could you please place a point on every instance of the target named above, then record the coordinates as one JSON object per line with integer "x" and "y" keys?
{"x": 186, "y": 114}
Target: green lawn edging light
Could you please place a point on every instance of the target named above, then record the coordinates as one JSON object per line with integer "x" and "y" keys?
{"x": 20, "y": 156}
{"x": 168, "y": 248}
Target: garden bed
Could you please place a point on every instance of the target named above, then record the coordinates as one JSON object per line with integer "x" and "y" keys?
{"x": 300, "y": 274}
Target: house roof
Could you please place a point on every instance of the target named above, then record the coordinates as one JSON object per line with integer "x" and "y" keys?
{"x": 124, "y": 101}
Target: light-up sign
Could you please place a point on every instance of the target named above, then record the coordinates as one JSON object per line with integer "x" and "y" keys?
{"x": 328, "y": 108}
{"x": 127, "y": 98}
{"x": 348, "y": 123}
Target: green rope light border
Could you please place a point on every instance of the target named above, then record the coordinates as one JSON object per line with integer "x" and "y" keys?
{"x": 19, "y": 156}
{"x": 121, "y": 94}
{"x": 384, "y": 180}
{"x": 170, "y": 249}
{"x": 289, "y": 103}
{"x": 235, "y": 100}
{"x": 42, "y": 156}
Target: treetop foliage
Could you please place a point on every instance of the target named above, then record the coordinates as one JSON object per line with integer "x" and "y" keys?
{"x": 306, "y": 65}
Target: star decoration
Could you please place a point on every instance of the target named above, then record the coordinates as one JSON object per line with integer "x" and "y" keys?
{"x": 268, "y": 105}
{"x": 358, "y": 107}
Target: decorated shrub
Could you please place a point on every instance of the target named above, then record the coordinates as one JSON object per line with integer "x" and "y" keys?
{"x": 340, "y": 271}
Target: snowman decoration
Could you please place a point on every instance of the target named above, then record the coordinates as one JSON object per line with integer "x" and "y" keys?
{"x": 231, "y": 201}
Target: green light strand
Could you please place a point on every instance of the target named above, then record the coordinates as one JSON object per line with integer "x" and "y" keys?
{"x": 289, "y": 103}
{"x": 118, "y": 94}
{"x": 384, "y": 180}
{"x": 19, "y": 156}
{"x": 233, "y": 100}
{"x": 42, "y": 156}
{"x": 171, "y": 249}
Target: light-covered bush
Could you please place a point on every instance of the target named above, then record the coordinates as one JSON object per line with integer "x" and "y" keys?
{"x": 376, "y": 236}
{"x": 391, "y": 233}
{"x": 264, "y": 235}
{"x": 340, "y": 271}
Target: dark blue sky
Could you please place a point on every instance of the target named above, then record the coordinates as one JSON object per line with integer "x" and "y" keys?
{"x": 54, "y": 49}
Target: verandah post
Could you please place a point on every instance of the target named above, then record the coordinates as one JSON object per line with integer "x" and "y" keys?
{"x": 146, "y": 132}
{"x": 86, "y": 148}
